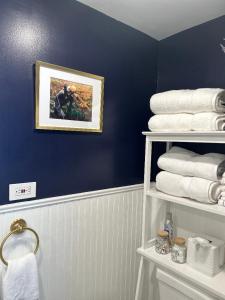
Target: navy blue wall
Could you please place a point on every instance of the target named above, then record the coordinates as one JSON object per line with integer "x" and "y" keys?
{"x": 194, "y": 59}
{"x": 70, "y": 34}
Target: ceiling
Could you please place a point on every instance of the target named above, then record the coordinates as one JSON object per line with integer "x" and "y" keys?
{"x": 160, "y": 18}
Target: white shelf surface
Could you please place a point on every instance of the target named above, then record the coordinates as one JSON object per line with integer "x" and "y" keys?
{"x": 187, "y": 136}
{"x": 215, "y": 285}
{"x": 210, "y": 208}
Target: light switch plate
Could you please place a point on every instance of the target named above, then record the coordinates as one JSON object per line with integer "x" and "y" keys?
{"x": 19, "y": 191}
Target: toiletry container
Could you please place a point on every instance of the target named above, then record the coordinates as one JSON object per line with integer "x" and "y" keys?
{"x": 205, "y": 254}
{"x": 179, "y": 251}
{"x": 162, "y": 244}
{"x": 169, "y": 227}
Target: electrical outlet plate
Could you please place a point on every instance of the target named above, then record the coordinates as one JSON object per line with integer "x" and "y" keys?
{"x": 21, "y": 191}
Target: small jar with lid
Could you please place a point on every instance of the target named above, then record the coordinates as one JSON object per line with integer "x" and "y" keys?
{"x": 162, "y": 245}
{"x": 179, "y": 251}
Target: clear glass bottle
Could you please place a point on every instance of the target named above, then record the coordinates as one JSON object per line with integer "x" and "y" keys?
{"x": 162, "y": 245}
{"x": 169, "y": 227}
{"x": 179, "y": 251}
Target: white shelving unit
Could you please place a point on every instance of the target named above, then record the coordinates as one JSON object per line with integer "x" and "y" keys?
{"x": 215, "y": 285}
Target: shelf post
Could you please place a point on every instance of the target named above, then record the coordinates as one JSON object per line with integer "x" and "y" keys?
{"x": 139, "y": 286}
{"x": 147, "y": 179}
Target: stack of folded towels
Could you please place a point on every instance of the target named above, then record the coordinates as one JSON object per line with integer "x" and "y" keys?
{"x": 186, "y": 110}
{"x": 188, "y": 174}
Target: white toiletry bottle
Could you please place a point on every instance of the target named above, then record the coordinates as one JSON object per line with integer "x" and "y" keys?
{"x": 168, "y": 226}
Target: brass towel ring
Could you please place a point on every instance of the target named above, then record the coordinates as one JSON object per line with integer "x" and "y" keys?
{"x": 18, "y": 226}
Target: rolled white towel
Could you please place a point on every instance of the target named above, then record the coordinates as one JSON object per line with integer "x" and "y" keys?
{"x": 188, "y": 101}
{"x": 187, "y": 122}
{"x": 199, "y": 189}
{"x": 181, "y": 161}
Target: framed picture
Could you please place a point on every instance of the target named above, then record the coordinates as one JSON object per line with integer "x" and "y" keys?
{"x": 67, "y": 99}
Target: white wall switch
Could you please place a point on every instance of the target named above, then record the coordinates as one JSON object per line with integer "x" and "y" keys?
{"x": 20, "y": 191}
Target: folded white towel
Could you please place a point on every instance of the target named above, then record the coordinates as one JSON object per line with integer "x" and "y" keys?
{"x": 181, "y": 161}
{"x": 223, "y": 179}
{"x": 188, "y": 101}
{"x": 21, "y": 279}
{"x": 199, "y": 189}
{"x": 188, "y": 122}
{"x": 221, "y": 202}
{"x": 210, "y": 121}
{"x": 176, "y": 122}
{"x": 222, "y": 199}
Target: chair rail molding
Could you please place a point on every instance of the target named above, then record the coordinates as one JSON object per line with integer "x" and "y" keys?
{"x": 29, "y": 204}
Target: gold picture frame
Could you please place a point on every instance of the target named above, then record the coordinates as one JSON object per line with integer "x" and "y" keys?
{"x": 68, "y": 99}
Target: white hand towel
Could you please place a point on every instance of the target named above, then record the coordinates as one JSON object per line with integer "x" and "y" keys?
{"x": 180, "y": 161}
{"x": 188, "y": 101}
{"x": 21, "y": 279}
{"x": 187, "y": 122}
{"x": 199, "y": 189}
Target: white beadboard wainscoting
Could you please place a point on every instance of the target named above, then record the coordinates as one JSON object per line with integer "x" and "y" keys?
{"x": 88, "y": 242}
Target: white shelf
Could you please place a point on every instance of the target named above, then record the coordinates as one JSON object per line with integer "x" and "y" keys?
{"x": 214, "y": 285}
{"x": 187, "y": 136}
{"x": 210, "y": 208}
